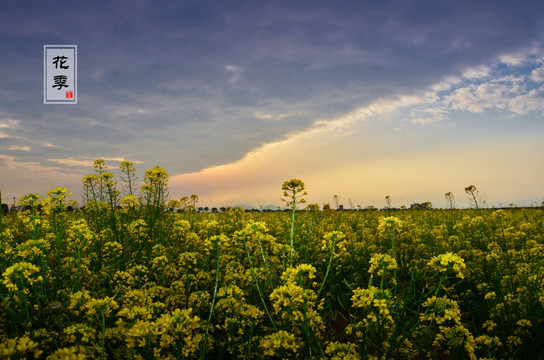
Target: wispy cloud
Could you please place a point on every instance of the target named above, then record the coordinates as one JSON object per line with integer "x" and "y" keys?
{"x": 18, "y": 165}
{"x": 9, "y": 124}
{"x": 87, "y": 162}
{"x": 510, "y": 97}
{"x": 478, "y": 98}
{"x": 427, "y": 120}
{"x": 264, "y": 116}
{"x": 235, "y": 71}
{"x": 477, "y": 72}
{"x": 537, "y": 75}
{"x": 19, "y": 148}
{"x": 528, "y": 102}
{"x": 514, "y": 59}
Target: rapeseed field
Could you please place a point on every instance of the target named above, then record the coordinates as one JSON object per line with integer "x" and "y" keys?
{"x": 129, "y": 277}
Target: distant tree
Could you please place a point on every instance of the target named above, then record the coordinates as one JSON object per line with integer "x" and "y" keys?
{"x": 326, "y": 207}
{"x": 194, "y": 200}
{"x": 312, "y": 207}
{"x": 184, "y": 203}
{"x": 427, "y": 205}
{"x": 172, "y": 205}
{"x": 450, "y": 199}
{"x": 388, "y": 202}
{"x": 3, "y": 210}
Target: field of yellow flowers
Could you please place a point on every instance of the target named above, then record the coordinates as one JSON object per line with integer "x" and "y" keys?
{"x": 127, "y": 278}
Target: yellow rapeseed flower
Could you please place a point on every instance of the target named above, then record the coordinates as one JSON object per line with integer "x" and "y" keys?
{"x": 448, "y": 261}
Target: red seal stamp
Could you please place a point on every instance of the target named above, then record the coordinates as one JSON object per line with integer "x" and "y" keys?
{"x": 69, "y": 94}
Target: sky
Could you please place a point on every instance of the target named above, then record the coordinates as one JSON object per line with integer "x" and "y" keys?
{"x": 359, "y": 99}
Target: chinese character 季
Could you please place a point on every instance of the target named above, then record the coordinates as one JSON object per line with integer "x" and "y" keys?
{"x": 59, "y": 61}
{"x": 60, "y": 81}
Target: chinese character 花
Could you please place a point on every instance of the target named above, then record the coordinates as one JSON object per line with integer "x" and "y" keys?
{"x": 60, "y": 61}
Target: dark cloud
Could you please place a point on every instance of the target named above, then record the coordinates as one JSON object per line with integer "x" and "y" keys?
{"x": 180, "y": 83}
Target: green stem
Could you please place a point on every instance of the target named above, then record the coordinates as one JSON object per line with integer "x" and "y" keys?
{"x": 329, "y": 265}
{"x": 293, "y": 229}
{"x": 440, "y": 285}
{"x": 203, "y": 353}
{"x": 261, "y": 295}
{"x": 395, "y": 269}
{"x": 309, "y": 236}
{"x": 78, "y": 261}
{"x": 113, "y": 216}
{"x": 1, "y": 214}
{"x": 103, "y": 334}
{"x": 265, "y": 264}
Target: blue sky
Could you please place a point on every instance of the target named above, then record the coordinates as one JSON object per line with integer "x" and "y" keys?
{"x": 361, "y": 99}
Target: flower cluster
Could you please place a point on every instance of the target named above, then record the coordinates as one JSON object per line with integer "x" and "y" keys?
{"x": 447, "y": 262}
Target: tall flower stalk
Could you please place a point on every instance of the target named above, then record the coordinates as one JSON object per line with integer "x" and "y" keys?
{"x": 474, "y": 196}
{"x": 293, "y": 190}
{"x": 1, "y": 214}
{"x": 155, "y": 193}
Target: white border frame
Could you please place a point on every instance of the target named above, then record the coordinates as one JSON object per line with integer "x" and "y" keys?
{"x": 67, "y": 102}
